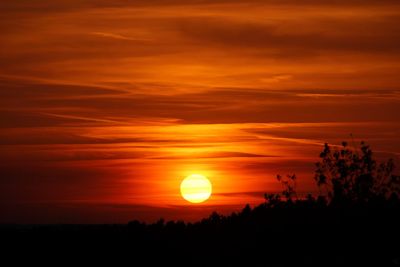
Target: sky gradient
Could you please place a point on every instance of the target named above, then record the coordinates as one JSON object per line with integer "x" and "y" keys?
{"x": 105, "y": 106}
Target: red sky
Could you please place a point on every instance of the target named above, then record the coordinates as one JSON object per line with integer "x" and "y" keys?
{"x": 105, "y": 106}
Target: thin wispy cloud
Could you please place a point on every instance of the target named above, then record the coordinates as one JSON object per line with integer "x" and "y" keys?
{"x": 118, "y": 36}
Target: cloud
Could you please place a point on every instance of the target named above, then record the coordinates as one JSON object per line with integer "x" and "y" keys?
{"x": 117, "y": 36}
{"x": 259, "y": 194}
{"x": 214, "y": 155}
{"x": 277, "y": 38}
{"x": 50, "y": 105}
{"x": 63, "y": 5}
{"x": 203, "y": 44}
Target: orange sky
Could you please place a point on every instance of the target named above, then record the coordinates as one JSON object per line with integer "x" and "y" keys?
{"x": 106, "y": 105}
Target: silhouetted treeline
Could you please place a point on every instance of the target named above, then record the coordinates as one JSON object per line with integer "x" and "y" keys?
{"x": 353, "y": 220}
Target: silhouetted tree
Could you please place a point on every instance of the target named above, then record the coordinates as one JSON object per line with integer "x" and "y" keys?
{"x": 289, "y": 191}
{"x": 289, "y": 186}
{"x": 215, "y": 217}
{"x": 246, "y": 211}
{"x": 350, "y": 174}
{"x": 272, "y": 200}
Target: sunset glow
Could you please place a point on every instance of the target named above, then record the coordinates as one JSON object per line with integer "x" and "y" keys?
{"x": 105, "y": 106}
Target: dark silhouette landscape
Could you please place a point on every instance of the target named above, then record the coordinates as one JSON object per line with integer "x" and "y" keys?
{"x": 354, "y": 220}
{"x": 192, "y": 133}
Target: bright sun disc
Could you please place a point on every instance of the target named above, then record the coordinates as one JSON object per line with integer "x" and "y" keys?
{"x": 196, "y": 188}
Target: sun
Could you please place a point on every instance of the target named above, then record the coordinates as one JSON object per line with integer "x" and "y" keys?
{"x": 196, "y": 188}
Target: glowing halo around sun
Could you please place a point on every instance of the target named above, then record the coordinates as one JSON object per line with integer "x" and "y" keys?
{"x": 196, "y": 188}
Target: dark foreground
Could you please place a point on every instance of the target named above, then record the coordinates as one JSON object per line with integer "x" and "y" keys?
{"x": 289, "y": 235}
